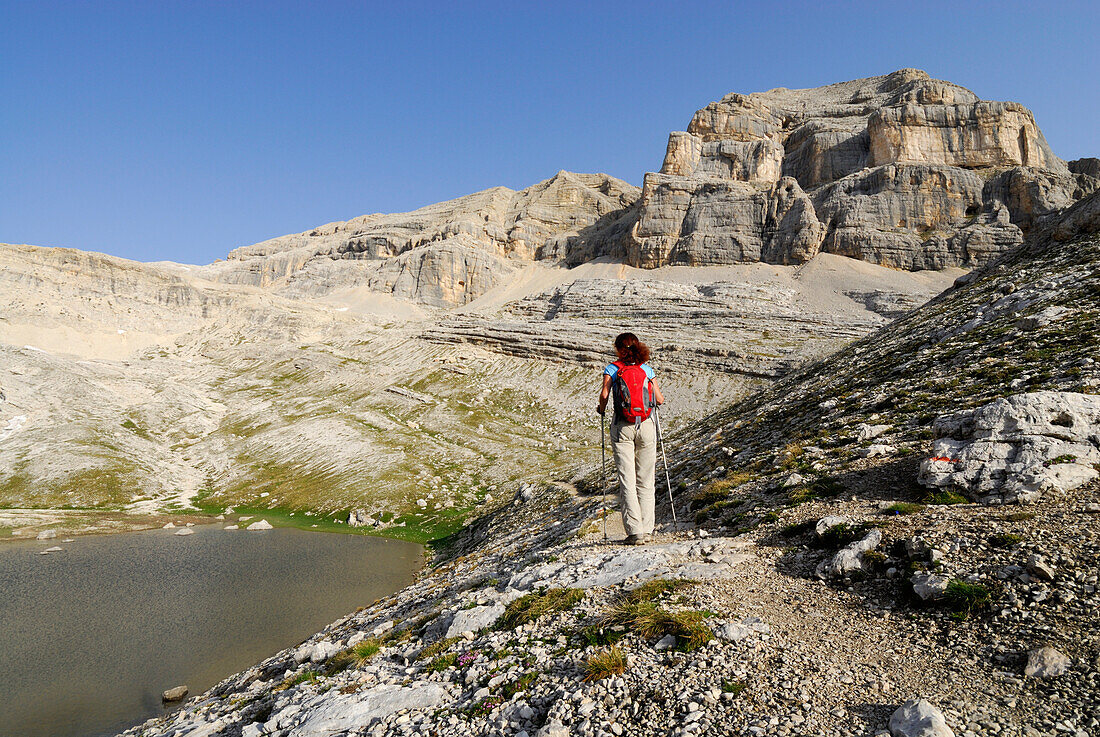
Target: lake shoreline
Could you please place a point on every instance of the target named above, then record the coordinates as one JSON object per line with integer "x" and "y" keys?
{"x": 27, "y": 523}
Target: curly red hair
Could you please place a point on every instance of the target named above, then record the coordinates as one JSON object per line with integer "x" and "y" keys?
{"x": 631, "y": 349}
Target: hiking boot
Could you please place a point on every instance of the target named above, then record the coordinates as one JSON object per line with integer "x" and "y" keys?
{"x": 634, "y": 540}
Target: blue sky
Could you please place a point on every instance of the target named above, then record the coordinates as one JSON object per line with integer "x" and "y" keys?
{"x": 180, "y": 130}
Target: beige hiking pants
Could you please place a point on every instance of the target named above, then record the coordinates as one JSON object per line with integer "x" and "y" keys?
{"x": 635, "y": 451}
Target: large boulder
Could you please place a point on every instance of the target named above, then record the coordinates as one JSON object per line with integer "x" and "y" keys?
{"x": 1015, "y": 448}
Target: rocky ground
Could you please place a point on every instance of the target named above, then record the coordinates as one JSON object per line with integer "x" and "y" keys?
{"x": 847, "y": 588}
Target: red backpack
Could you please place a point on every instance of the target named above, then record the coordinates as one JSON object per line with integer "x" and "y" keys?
{"x": 633, "y": 392}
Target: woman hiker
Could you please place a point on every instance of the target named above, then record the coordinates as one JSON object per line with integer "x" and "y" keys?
{"x": 630, "y": 380}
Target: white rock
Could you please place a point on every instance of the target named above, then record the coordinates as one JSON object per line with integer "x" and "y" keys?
{"x": 929, "y": 586}
{"x": 827, "y": 523}
{"x": 260, "y": 524}
{"x": 232, "y": 527}
{"x": 474, "y": 620}
{"x": 46, "y": 535}
{"x": 1046, "y": 662}
{"x": 169, "y": 526}
{"x": 850, "y": 559}
{"x": 918, "y": 718}
{"x": 174, "y": 694}
{"x": 737, "y": 631}
{"x": 185, "y": 531}
{"x": 323, "y": 651}
{"x": 553, "y": 728}
{"x": 1004, "y": 450}
{"x": 338, "y": 714}
{"x": 870, "y": 432}
{"x": 54, "y": 549}
{"x": 666, "y": 643}
{"x": 793, "y": 480}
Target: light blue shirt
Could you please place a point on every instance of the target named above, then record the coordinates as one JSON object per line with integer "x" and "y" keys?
{"x": 612, "y": 370}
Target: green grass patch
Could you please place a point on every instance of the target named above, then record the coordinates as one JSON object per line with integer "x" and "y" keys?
{"x": 733, "y": 687}
{"x": 610, "y": 662}
{"x": 943, "y": 497}
{"x": 443, "y": 662}
{"x": 649, "y": 621}
{"x": 354, "y": 656}
{"x": 903, "y": 508}
{"x": 530, "y": 607}
{"x": 436, "y": 648}
{"x": 658, "y": 587}
{"x": 1005, "y": 540}
{"x": 798, "y": 528}
{"x": 519, "y": 685}
{"x": 964, "y": 598}
{"x": 308, "y": 676}
{"x": 136, "y": 429}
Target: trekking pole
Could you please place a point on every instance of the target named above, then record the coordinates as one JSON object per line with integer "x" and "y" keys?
{"x": 603, "y": 471}
{"x": 661, "y": 439}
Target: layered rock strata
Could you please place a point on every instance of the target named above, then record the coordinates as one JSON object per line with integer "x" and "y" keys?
{"x": 900, "y": 170}
{"x": 444, "y": 254}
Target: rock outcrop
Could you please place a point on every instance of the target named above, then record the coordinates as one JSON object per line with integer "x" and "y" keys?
{"x": 1015, "y": 448}
{"x": 900, "y": 170}
{"x": 447, "y": 253}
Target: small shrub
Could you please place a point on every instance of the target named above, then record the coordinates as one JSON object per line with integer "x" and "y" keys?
{"x": 611, "y": 662}
{"x": 827, "y": 486}
{"x": 355, "y": 655}
{"x": 1005, "y": 540}
{"x": 486, "y": 706}
{"x": 964, "y": 598}
{"x": 903, "y": 508}
{"x": 530, "y": 607}
{"x": 843, "y": 534}
{"x": 1068, "y": 458}
{"x": 436, "y": 648}
{"x": 596, "y": 636}
{"x": 734, "y": 687}
{"x": 875, "y": 559}
{"x": 1020, "y": 516}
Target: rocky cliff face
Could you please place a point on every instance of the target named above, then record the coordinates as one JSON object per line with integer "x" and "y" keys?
{"x": 900, "y": 170}
{"x": 445, "y": 254}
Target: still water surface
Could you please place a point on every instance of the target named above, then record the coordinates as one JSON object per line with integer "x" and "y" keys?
{"x": 91, "y": 636}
